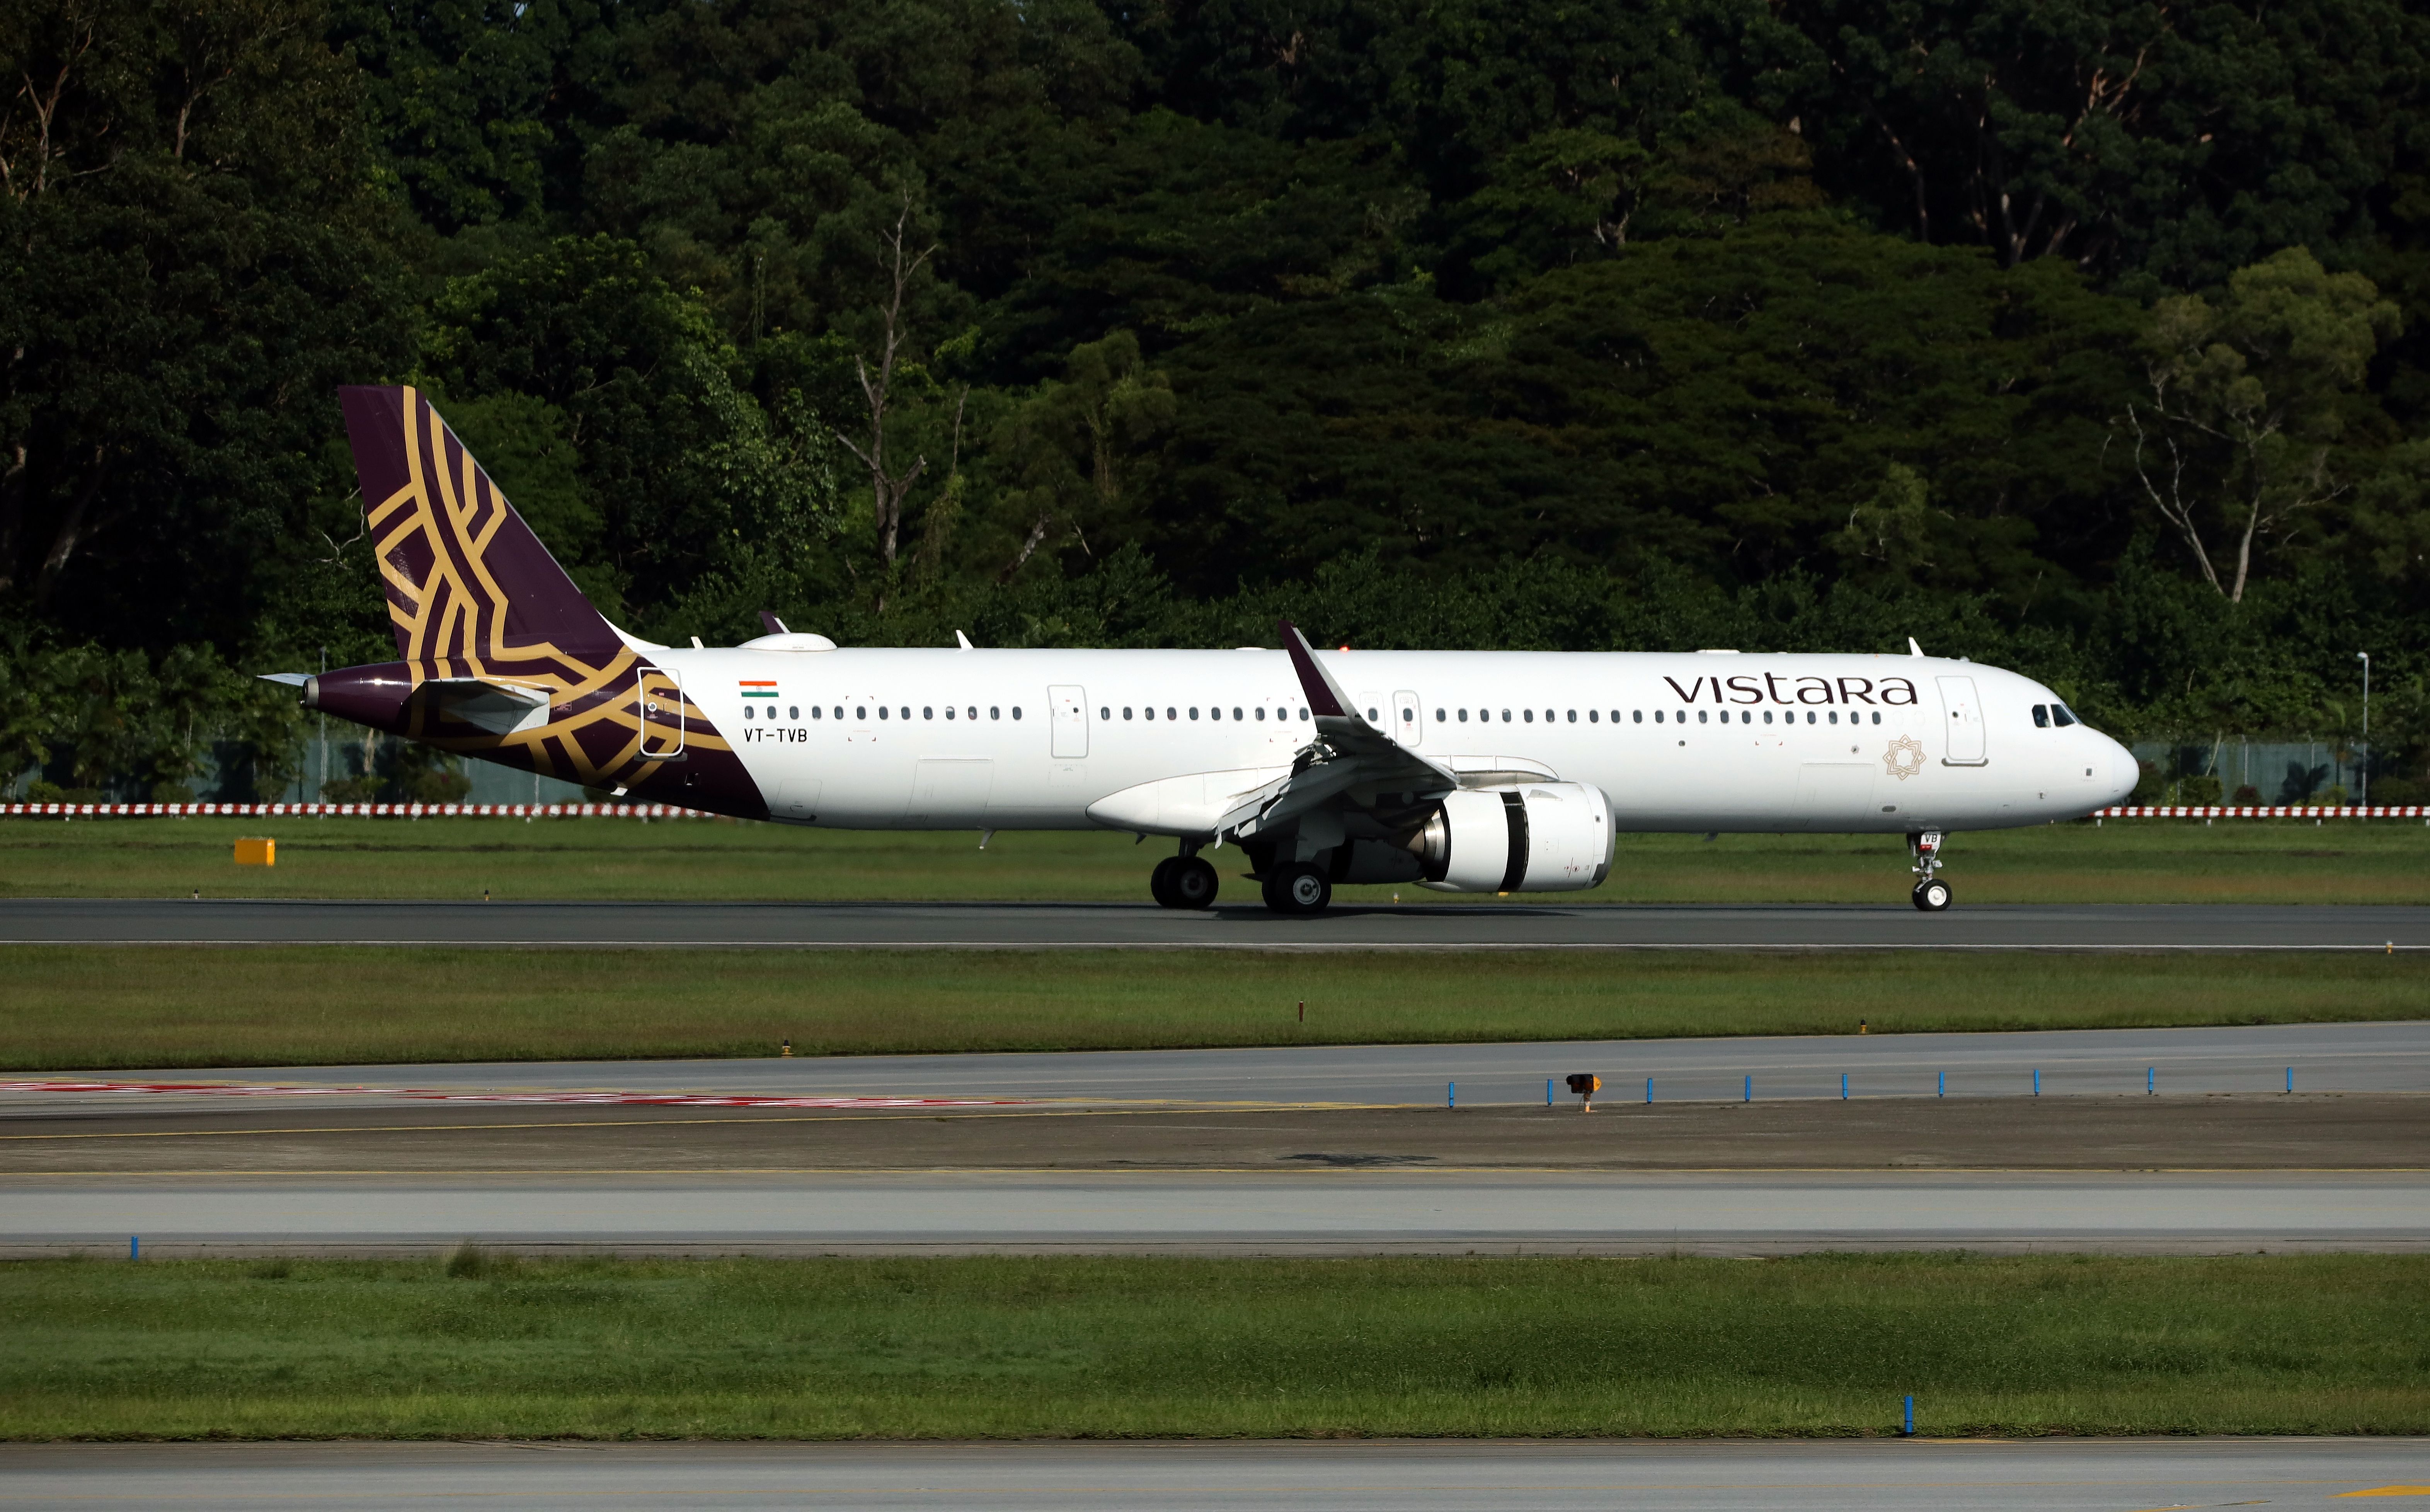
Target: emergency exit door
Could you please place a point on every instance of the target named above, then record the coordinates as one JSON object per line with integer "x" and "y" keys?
{"x": 1408, "y": 719}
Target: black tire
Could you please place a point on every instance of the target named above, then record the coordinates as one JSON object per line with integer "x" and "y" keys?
{"x": 1191, "y": 883}
{"x": 1932, "y": 896}
{"x": 1298, "y": 890}
{"x": 1160, "y": 882}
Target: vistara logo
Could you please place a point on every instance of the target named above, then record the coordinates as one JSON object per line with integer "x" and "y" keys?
{"x": 1904, "y": 759}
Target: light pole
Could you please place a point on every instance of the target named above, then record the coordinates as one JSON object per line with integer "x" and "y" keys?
{"x": 2365, "y": 657}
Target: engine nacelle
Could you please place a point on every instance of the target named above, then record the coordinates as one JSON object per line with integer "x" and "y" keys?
{"x": 1551, "y": 836}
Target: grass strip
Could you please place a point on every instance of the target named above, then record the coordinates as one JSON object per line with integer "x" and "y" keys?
{"x": 2292, "y": 861}
{"x": 1067, "y": 1347}
{"x": 95, "y": 1007}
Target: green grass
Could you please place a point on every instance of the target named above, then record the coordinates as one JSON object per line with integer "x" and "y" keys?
{"x": 1094, "y": 1347}
{"x": 85, "y": 1007}
{"x": 2126, "y": 861}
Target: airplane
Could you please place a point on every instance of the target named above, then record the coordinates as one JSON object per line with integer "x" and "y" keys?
{"x": 1475, "y": 772}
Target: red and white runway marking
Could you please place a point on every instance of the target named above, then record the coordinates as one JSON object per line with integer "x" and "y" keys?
{"x": 604, "y": 1098}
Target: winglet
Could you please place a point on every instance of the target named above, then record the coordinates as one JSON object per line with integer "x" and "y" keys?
{"x": 962, "y": 642}
{"x": 771, "y": 624}
{"x": 1912, "y": 649}
{"x": 1325, "y": 699}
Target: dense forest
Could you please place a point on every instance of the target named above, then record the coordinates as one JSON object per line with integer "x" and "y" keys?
{"x": 2092, "y": 337}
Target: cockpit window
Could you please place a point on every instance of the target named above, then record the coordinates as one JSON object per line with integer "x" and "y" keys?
{"x": 2041, "y": 716}
{"x": 2063, "y": 715}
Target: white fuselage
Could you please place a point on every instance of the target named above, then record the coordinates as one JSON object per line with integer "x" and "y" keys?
{"x": 983, "y": 740}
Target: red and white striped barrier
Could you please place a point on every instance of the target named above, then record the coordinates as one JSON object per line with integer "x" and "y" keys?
{"x": 350, "y": 811}
{"x": 2262, "y": 811}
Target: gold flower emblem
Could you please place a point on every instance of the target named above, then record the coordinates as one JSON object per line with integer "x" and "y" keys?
{"x": 1904, "y": 757}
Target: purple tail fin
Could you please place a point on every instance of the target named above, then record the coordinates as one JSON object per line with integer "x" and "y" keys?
{"x": 468, "y": 582}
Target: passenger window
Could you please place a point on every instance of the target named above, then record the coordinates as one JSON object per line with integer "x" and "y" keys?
{"x": 1193, "y": 711}
{"x": 1214, "y": 713}
{"x": 1530, "y": 715}
{"x": 1658, "y": 716}
{"x": 1615, "y": 716}
{"x": 881, "y": 711}
{"x": 1302, "y": 716}
{"x": 1809, "y": 716}
{"x": 1261, "y": 713}
{"x": 1126, "y": 711}
{"x": 1702, "y": 717}
{"x": 927, "y": 711}
{"x": 1236, "y": 713}
{"x": 1438, "y": 716}
{"x": 1150, "y": 711}
{"x": 1016, "y": 711}
{"x": 1103, "y": 712}
{"x": 1463, "y": 716}
{"x": 1574, "y": 715}
{"x": 864, "y": 713}
{"x": 1371, "y": 719}
{"x": 1170, "y": 714}
{"x": 1637, "y": 717}
{"x": 816, "y": 711}
{"x": 949, "y": 712}
{"x": 1834, "y": 716}
{"x": 1877, "y": 715}
{"x": 2041, "y": 716}
{"x": 995, "y": 711}
{"x": 1594, "y": 717}
{"x": 746, "y": 711}
{"x": 1505, "y": 716}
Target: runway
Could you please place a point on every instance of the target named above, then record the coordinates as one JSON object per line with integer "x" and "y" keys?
{"x": 2324, "y": 1058}
{"x": 1114, "y": 927}
{"x": 1431, "y": 1475}
{"x": 1314, "y": 1211}
{"x": 1320, "y": 1149}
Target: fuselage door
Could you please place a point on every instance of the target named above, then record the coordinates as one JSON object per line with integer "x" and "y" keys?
{"x": 1070, "y": 711}
{"x": 663, "y": 715}
{"x": 1963, "y": 728}
{"x": 1408, "y": 719}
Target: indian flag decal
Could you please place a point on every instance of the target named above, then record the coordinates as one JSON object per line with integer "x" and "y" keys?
{"x": 759, "y": 690}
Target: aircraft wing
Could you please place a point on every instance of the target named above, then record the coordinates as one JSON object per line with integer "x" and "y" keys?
{"x": 1349, "y": 756}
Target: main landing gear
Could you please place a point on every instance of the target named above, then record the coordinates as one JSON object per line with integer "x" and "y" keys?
{"x": 1931, "y": 894}
{"x": 1185, "y": 881}
{"x": 1297, "y": 888}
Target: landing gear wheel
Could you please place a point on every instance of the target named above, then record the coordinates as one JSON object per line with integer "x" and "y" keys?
{"x": 1932, "y": 895}
{"x": 1190, "y": 883}
{"x": 1298, "y": 889}
{"x": 1160, "y": 882}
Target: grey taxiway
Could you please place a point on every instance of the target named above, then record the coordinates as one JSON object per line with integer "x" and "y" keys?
{"x": 2048, "y": 1475}
{"x": 1231, "y": 925}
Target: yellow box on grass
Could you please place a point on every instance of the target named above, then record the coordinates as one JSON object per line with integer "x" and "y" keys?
{"x": 257, "y": 852}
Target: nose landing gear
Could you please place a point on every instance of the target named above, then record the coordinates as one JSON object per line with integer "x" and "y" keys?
{"x": 1184, "y": 881}
{"x": 1931, "y": 894}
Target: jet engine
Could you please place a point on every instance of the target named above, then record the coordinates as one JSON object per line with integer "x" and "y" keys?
{"x": 1552, "y": 837}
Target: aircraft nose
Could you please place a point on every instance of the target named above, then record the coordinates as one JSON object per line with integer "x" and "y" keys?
{"x": 2125, "y": 773}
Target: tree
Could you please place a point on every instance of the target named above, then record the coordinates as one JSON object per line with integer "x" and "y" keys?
{"x": 2174, "y": 139}
{"x": 2248, "y": 398}
{"x": 190, "y": 261}
{"x": 888, "y": 484}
